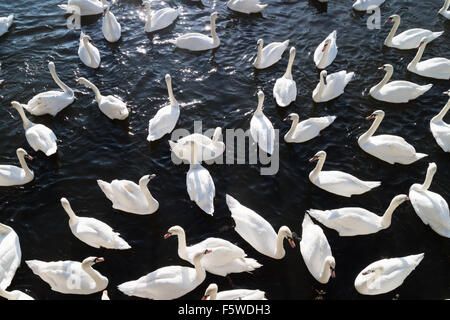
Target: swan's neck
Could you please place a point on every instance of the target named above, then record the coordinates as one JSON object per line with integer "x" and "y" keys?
{"x": 194, "y": 162}
{"x": 385, "y": 80}
{"x": 440, "y": 116}
{"x": 7, "y": 295}
{"x": 418, "y": 56}
{"x": 201, "y": 273}
{"x": 259, "y": 54}
{"x": 182, "y": 249}
{"x": 445, "y": 7}
{"x": 325, "y": 270}
{"x": 4, "y": 228}
{"x": 88, "y": 49}
{"x": 324, "y": 55}
{"x": 387, "y": 216}
{"x": 148, "y": 22}
{"x": 428, "y": 179}
{"x": 393, "y": 31}
{"x": 259, "y": 108}
{"x": 213, "y": 295}
{"x": 293, "y": 126}
{"x": 280, "y": 248}
{"x": 72, "y": 216}
{"x": 321, "y": 86}
{"x": 372, "y": 129}
{"x": 318, "y": 168}
{"x": 217, "y": 134}
{"x": 24, "y": 165}
{"x": 58, "y": 81}
{"x": 374, "y": 276}
{"x": 94, "y": 88}
{"x": 26, "y": 123}
{"x": 173, "y": 101}
{"x": 213, "y": 31}
{"x": 288, "y": 73}
{"x": 146, "y": 192}
{"x": 93, "y": 274}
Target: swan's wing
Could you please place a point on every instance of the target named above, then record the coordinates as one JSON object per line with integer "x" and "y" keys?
{"x": 163, "y": 122}
{"x": 263, "y": 133}
{"x": 41, "y": 138}
{"x": 285, "y": 91}
{"x": 127, "y": 194}
{"x": 201, "y": 189}
{"x": 391, "y": 145}
{"x": 223, "y": 252}
{"x": 10, "y": 257}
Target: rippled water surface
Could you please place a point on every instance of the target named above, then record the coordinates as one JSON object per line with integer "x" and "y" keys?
{"x": 218, "y": 87}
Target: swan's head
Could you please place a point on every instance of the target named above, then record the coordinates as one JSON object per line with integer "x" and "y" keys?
{"x": 213, "y": 16}
{"x": 394, "y": 17}
{"x": 90, "y": 261}
{"x": 285, "y": 232}
{"x": 51, "y": 66}
{"x": 400, "y": 199}
{"x": 22, "y": 153}
{"x": 326, "y": 44}
{"x": 376, "y": 114}
{"x": 332, "y": 264}
{"x": 210, "y": 292}
{"x": 323, "y": 75}
{"x": 292, "y": 116}
{"x": 16, "y": 105}
{"x": 86, "y": 38}
{"x": 81, "y": 80}
{"x": 174, "y": 231}
{"x": 65, "y": 203}
{"x": 319, "y": 155}
{"x": 386, "y": 67}
{"x": 292, "y": 52}
{"x": 146, "y": 179}
{"x": 432, "y": 168}
{"x": 145, "y": 4}
{"x": 260, "y": 43}
{"x": 260, "y": 96}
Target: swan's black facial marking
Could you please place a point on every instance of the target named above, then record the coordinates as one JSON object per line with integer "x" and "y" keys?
{"x": 167, "y": 235}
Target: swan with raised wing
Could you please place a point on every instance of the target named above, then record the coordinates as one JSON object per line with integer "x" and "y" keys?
{"x": 246, "y": 6}
{"x": 15, "y": 176}
{"x": 398, "y": 91}
{"x": 51, "y": 102}
{"x": 198, "y": 41}
{"x": 5, "y": 23}
{"x": 166, "y": 118}
{"x": 285, "y": 89}
{"x": 326, "y": 51}
{"x": 387, "y": 147}
{"x": 316, "y": 251}
{"x": 127, "y": 196}
{"x": 257, "y": 231}
{"x": 70, "y": 277}
{"x": 10, "y": 255}
{"x": 440, "y": 129}
{"x": 431, "y": 207}
{"x": 444, "y": 10}
{"x": 209, "y": 148}
{"x": 261, "y": 129}
{"x": 88, "y": 53}
{"x": 169, "y": 282}
{"x": 160, "y": 19}
{"x": 211, "y": 293}
{"x": 111, "y": 28}
{"x": 354, "y": 221}
{"x": 92, "y": 231}
{"x": 331, "y": 86}
{"x": 307, "y": 129}
{"x": 270, "y": 54}
{"x": 224, "y": 259}
{"x": 409, "y": 39}
{"x": 111, "y": 106}
{"x": 385, "y": 275}
{"x": 338, "y": 182}
{"x": 39, "y": 136}
{"x": 437, "y": 68}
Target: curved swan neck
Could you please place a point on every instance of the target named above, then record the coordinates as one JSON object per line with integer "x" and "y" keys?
{"x": 288, "y": 73}
{"x": 293, "y": 126}
{"x": 318, "y": 167}
{"x": 445, "y": 6}
{"x": 7, "y": 295}
{"x": 259, "y": 108}
{"x": 148, "y": 14}
{"x": 324, "y": 55}
{"x": 213, "y": 30}
{"x": 26, "y": 122}
{"x": 88, "y": 49}
{"x": 387, "y": 77}
{"x": 326, "y": 268}
{"x": 58, "y": 81}
{"x": 92, "y": 273}
{"x": 428, "y": 179}
{"x": 280, "y": 248}
{"x": 173, "y": 101}
{"x": 259, "y": 54}
{"x": 201, "y": 273}
{"x": 217, "y": 134}
{"x": 386, "y": 219}
{"x": 418, "y": 56}
{"x": 372, "y": 128}
{"x": 146, "y": 192}
{"x": 94, "y": 88}
{"x": 24, "y": 165}
{"x": 393, "y": 31}
{"x": 182, "y": 249}
{"x": 440, "y": 116}
{"x": 321, "y": 85}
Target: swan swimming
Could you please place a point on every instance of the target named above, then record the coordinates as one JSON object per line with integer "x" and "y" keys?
{"x": 5, "y": 23}
{"x": 198, "y": 41}
{"x": 235, "y": 294}
{"x": 326, "y": 51}
{"x": 246, "y": 6}
{"x": 285, "y": 89}
{"x": 338, "y": 182}
{"x": 111, "y": 28}
{"x": 331, "y": 86}
{"x": 387, "y": 147}
{"x": 261, "y": 129}
{"x": 51, "y": 102}
{"x": 86, "y": 7}
{"x": 441, "y": 129}
{"x": 437, "y": 68}
{"x": 307, "y": 129}
{"x": 444, "y": 10}
{"x": 15, "y": 176}
{"x": 88, "y": 53}
{"x": 157, "y": 20}
{"x": 270, "y": 54}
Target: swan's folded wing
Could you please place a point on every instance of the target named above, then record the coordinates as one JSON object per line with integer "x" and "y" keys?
{"x": 163, "y": 122}
{"x": 263, "y": 133}
{"x": 393, "y": 145}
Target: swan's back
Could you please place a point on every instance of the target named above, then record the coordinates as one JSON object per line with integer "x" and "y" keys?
{"x": 10, "y": 256}
{"x": 111, "y": 29}
{"x": 201, "y": 189}
{"x": 272, "y": 53}
{"x": 163, "y": 18}
{"x": 331, "y": 54}
{"x": 12, "y": 175}
{"x": 41, "y": 138}
{"x": 163, "y": 122}
{"x": 196, "y": 42}
{"x": 262, "y": 132}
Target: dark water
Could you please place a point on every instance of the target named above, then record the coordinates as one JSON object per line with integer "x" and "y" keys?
{"x": 218, "y": 88}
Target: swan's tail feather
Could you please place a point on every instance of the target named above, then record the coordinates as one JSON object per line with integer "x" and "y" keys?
{"x": 251, "y": 264}
{"x": 330, "y": 119}
{"x": 286, "y": 43}
{"x": 307, "y": 221}
{"x": 35, "y": 265}
{"x": 63, "y": 6}
{"x": 415, "y": 259}
{"x": 9, "y": 20}
{"x": 319, "y": 215}
{"x": 435, "y": 35}
{"x": 425, "y": 88}
{"x": 348, "y": 77}
{"x": 120, "y": 243}
{"x": 127, "y": 288}
{"x": 421, "y": 155}
{"x": 106, "y": 187}
{"x": 262, "y": 6}
{"x": 231, "y": 202}
{"x": 333, "y": 34}
{"x": 373, "y": 184}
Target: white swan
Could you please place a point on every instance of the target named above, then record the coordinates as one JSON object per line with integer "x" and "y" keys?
{"x": 316, "y": 251}
{"x": 331, "y": 86}
{"x": 261, "y": 129}
{"x": 338, "y": 182}
{"x": 387, "y": 147}
{"x": 444, "y": 10}
{"x": 257, "y": 231}
{"x": 437, "y": 68}
{"x": 225, "y": 257}
{"x": 14, "y": 295}
{"x": 440, "y": 129}
{"x": 270, "y": 54}
{"x": 326, "y": 51}
{"x": 111, "y": 28}
{"x": 105, "y": 295}
{"x": 51, "y": 102}
{"x": 88, "y": 53}
{"x": 127, "y": 196}
{"x": 236, "y": 294}
{"x": 386, "y": 275}
{"x": 409, "y": 39}
{"x": 396, "y": 91}
{"x": 307, "y": 129}
{"x": 285, "y": 89}
{"x": 199, "y": 183}
{"x": 111, "y": 106}
{"x": 364, "y": 5}
{"x": 160, "y": 19}
{"x": 39, "y": 136}
{"x": 198, "y": 41}
{"x": 209, "y": 148}
{"x": 87, "y": 7}
{"x": 246, "y": 6}
{"x": 10, "y": 255}
{"x": 166, "y": 118}
{"x": 15, "y": 176}
{"x": 353, "y": 221}
{"x": 93, "y": 232}
{"x": 70, "y": 277}
{"x": 5, "y": 23}
{"x": 169, "y": 282}
{"x": 431, "y": 207}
